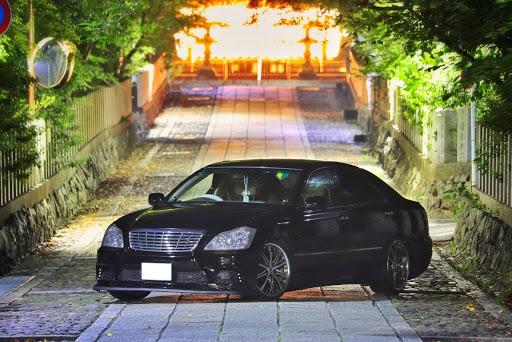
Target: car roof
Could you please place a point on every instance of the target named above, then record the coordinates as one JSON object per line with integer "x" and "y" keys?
{"x": 299, "y": 164}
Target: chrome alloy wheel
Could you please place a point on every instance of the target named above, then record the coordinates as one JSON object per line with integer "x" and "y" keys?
{"x": 273, "y": 271}
{"x": 397, "y": 265}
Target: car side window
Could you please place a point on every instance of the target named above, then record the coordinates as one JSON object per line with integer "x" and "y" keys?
{"x": 356, "y": 188}
{"x": 321, "y": 183}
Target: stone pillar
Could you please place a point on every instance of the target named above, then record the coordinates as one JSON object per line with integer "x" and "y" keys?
{"x": 392, "y": 100}
{"x": 38, "y": 172}
{"x": 464, "y": 135}
{"x": 145, "y": 93}
{"x": 369, "y": 89}
{"x": 428, "y": 136}
{"x": 144, "y": 85}
{"x": 444, "y": 142}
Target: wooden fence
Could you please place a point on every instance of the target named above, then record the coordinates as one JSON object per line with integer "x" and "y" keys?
{"x": 412, "y": 132}
{"x": 99, "y": 110}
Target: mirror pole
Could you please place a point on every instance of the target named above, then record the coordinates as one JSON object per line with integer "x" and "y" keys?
{"x": 31, "y": 86}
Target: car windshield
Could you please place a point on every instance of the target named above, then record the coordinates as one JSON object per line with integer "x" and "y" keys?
{"x": 244, "y": 185}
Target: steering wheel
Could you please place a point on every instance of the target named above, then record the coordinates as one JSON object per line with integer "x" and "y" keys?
{"x": 212, "y": 197}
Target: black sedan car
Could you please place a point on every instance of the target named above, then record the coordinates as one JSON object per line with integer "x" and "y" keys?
{"x": 262, "y": 227}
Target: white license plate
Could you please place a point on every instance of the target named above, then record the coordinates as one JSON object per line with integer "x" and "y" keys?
{"x": 154, "y": 271}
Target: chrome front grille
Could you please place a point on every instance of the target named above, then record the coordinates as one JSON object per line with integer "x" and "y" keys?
{"x": 164, "y": 240}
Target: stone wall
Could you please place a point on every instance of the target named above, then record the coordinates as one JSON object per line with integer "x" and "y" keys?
{"x": 417, "y": 182}
{"x": 485, "y": 240}
{"x": 25, "y": 229}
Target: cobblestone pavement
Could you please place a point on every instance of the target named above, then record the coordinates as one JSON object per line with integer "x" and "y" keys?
{"x": 440, "y": 306}
{"x": 210, "y": 124}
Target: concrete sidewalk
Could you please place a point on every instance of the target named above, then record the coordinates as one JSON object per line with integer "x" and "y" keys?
{"x": 159, "y": 318}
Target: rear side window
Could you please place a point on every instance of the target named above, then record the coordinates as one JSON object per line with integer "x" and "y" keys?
{"x": 356, "y": 188}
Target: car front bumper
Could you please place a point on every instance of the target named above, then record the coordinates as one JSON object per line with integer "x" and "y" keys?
{"x": 233, "y": 273}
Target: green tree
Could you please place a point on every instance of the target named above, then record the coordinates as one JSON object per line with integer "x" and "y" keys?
{"x": 113, "y": 39}
{"x": 426, "y": 77}
{"x": 16, "y": 134}
{"x": 478, "y": 32}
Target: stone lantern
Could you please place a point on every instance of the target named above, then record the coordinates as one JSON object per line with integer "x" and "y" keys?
{"x": 307, "y": 72}
{"x": 206, "y": 70}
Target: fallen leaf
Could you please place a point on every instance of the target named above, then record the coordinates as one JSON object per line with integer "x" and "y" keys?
{"x": 189, "y": 315}
{"x": 113, "y": 317}
{"x": 110, "y": 334}
{"x": 148, "y": 328}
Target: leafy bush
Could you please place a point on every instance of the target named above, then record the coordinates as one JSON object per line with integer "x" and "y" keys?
{"x": 463, "y": 200}
{"x": 113, "y": 40}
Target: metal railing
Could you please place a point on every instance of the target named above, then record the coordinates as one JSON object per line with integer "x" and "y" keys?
{"x": 95, "y": 112}
{"x": 498, "y": 182}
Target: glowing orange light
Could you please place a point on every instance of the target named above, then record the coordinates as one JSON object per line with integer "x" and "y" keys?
{"x": 264, "y": 38}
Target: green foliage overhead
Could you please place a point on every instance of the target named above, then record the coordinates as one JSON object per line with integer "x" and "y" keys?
{"x": 113, "y": 39}
{"x": 478, "y": 32}
{"x": 427, "y": 78}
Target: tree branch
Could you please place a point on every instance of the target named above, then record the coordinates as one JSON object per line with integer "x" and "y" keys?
{"x": 122, "y": 16}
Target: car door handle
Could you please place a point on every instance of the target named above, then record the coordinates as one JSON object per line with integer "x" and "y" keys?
{"x": 388, "y": 213}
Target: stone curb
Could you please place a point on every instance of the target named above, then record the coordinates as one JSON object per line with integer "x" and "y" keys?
{"x": 395, "y": 320}
{"x": 95, "y": 331}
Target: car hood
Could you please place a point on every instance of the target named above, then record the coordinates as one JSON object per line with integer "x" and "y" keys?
{"x": 212, "y": 217}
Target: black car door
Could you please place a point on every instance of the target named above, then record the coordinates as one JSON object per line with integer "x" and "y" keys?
{"x": 317, "y": 236}
{"x": 367, "y": 219}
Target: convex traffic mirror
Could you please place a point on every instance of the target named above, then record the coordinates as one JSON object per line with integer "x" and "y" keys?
{"x": 52, "y": 62}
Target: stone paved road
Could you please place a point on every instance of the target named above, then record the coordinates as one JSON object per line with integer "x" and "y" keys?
{"x": 210, "y": 124}
{"x": 330, "y": 314}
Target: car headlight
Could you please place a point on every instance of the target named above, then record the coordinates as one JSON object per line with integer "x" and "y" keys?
{"x": 113, "y": 237}
{"x": 238, "y": 238}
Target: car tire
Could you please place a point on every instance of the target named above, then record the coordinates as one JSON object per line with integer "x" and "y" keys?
{"x": 129, "y": 295}
{"x": 394, "y": 269}
{"x": 273, "y": 272}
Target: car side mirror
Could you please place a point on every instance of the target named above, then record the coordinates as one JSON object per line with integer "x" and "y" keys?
{"x": 314, "y": 203}
{"x": 155, "y": 198}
